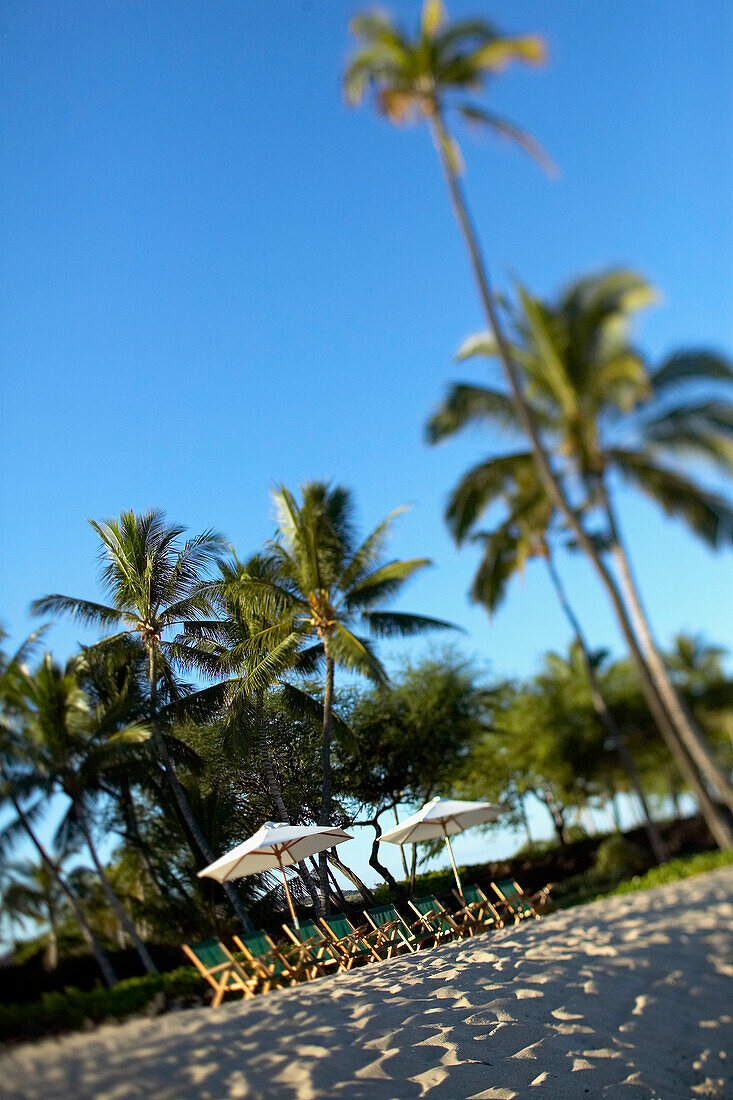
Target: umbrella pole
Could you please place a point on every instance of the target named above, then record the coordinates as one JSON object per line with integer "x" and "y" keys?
{"x": 287, "y": 894}
{"x": 455, "y": 869}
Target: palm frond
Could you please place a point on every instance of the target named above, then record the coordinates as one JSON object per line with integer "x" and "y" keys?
{"x": 707, "y": 514}
{"x": 401, "y": 624}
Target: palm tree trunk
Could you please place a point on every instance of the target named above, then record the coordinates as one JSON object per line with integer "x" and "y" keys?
{"x": 88, "y": 936}
{"x": 692, "y": 737}
{"x": 113, "y": 901}
{"x": 717, "y": 824}
{"x": 605, "y": 717}
{"x": 325, "y": 816}
{"x": 179, "y": 795}
{"x": 276, "y": 794}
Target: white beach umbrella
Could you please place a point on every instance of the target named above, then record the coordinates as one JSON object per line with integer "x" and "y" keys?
{"x": 442, "y": 817}
{"x": 276, "y": 844}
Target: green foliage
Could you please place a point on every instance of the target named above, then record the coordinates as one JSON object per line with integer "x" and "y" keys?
{"x": 616, "y": 857}
{"x": 675, "y": 870}
{"x": 68, "y": 1011}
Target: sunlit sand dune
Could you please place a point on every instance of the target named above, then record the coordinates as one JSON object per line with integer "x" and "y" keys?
{"x": 631, "y": 997}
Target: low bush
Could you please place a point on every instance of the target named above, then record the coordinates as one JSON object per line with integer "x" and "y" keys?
{"x": 618, "y": 858}
{"x": 69, "y": 1010}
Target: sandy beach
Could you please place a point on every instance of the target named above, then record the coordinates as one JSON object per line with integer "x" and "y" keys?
{"x": 631, "y": 997}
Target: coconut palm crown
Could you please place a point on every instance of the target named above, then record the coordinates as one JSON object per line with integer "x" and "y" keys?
{"x": 425, "y": 76}
{"x": 603, "y": 406}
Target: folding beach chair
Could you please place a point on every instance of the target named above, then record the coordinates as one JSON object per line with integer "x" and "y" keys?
{"x": 221, "y": 969}
{"x": 354, "y": 945}
{"x": 475, "y": 910}
{"x": 269, "y": 963}
{"x": 516, "y": 901}
{"x": 436, "y": 919}
{"x": 315, "y": 949}
{"x": 394, "y": 933}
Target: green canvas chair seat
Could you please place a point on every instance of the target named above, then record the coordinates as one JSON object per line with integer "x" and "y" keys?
{"x": 393, "y": 932}
{"x": 475, "y": 910}
{"x": 435, "y": 918}
{"x": 268, "y": 961}
{"x": 353, "y": 945}
{"x": 220, "y": 969}
{"x": 312, "y": 948}
{"x": 514, "y": 899}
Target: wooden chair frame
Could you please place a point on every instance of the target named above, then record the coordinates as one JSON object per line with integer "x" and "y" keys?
{"x": 225, "y": 977}
{"x": 447, "y": 927}
{"x": 395, "y": 932}
{"x": 517, "y": 902}
{"x": 272, "y": 967}
{"x": 354, "y": 947}
{"x": 315, "y": 948}
{"x": 479, "y": 915}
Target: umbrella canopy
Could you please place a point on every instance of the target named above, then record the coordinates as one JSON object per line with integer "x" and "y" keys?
{"x": 276, "y": 844}
{"x": 442, "y": 817}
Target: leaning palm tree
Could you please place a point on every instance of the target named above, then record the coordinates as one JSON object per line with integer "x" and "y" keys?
{"x": 607, "y": 412}
{"x": 33, "y": 893}
{"x": 324, "y": 581}
{"x": 156, "y": 584}
{"x": 526, "y": 532}
{"x": 427, "y": 78}
{"x": 14, "y": 677}
{"x": 67, "y": 746}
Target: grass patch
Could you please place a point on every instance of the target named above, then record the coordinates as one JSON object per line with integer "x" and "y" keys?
{"x": 673, "y": 871}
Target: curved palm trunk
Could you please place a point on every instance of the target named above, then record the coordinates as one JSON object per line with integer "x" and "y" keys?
{"x": 692, "y": 737}
{"x": 88, "y": 936}
{"x": 325, "y": 815}
{"x": 183, "y": 807}
{"x": 605, "y": 716}
{"x": 353, "y": 878}
{"x": 717, "y": 824}
{"x": 112, "y": 900}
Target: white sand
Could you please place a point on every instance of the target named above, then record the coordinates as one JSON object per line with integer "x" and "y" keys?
{"x": 625, "y": 998}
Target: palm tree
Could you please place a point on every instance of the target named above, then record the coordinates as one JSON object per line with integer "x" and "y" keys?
{"x": 13, "y": 707}
{"x": 525, "y": 533}
{"x": 253, "y": 652}
{"x": 424, "y": 79}
{"x": 34, "y": 893}
{"x": 155, "y": 585}
{"x": 324, "y": 580}
{"x": 605, "y": 410}
{"x": 67, "y": 746}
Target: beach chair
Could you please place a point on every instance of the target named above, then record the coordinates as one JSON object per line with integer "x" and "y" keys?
{"x": 315, "y": 948}
{"x": 516, "y": 901}
{"x": 436, "y": 919}
{"x": 394, "y": 933}
{"x": 354, "y": 945}
{"x": 220, "y": 969}
{"x": 269, "y": 963}
{"x": 476, "y": 911}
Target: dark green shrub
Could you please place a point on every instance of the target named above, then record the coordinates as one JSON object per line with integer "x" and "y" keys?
{"x": 617, "y": 858}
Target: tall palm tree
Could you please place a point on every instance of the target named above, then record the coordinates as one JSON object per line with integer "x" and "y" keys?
{"x": 524, "y": 533}
{"x": 425, "y": 78}
{"x": 324, "y": 581}
{"x": 605, "y": 411}
{"x": 254, "y": 653}
{"x": 13, "y": 708}
{"x": 67, "y": 746}
{"x": 156, "y": 584}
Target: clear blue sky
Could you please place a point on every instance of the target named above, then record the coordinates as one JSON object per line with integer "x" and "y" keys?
{"x": 215, "y": 276}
